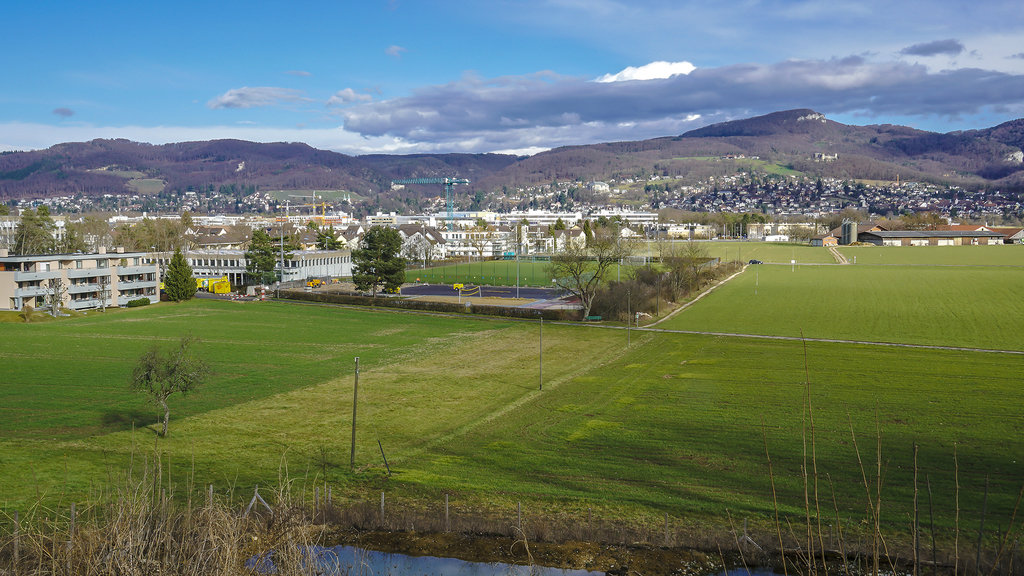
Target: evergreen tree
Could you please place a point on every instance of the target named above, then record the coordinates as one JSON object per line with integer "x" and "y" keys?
{"x": 378, "y": 261}
{"x": 178, "y": 283}
{"x": 261, "y": 258}
{"x": 34, "y": 234}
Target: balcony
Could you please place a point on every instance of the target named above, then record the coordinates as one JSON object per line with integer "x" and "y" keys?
{"x": 83, "y": 288}
{"x": 129, "y": 270}
{"x": 87, "y": 272}
{"x": 85, "y": 304}
{"x": 30, "y": 276}
{"x": 29, "y": 292}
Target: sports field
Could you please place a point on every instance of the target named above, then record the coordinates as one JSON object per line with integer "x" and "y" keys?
{"x": 672, "y": 423}
{"x": 977, "y": 307}
{"x": 489, "y": 272}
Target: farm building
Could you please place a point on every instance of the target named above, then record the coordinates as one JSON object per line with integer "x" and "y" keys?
{"x": 930, "y": 237}
{"x": 825, "y": 240}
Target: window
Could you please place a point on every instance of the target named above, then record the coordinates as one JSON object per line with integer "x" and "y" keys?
{"x": 136, "y": 262}
{"x": 101, "y": 263}
{"x": 78, "y": 264}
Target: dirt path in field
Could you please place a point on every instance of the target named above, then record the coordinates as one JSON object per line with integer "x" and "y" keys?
{"x": 838, "y": 255}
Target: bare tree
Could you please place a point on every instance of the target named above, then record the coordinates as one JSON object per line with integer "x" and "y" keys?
{"x": 581, "y": 269}
{"x": 160, "y": 374}
{"x": 55, "y": 292}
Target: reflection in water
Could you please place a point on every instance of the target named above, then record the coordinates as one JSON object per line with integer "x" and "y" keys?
{"x": 351, "y": 561}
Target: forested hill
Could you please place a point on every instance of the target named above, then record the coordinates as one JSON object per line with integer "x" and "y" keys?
{"x": 975, "y": 159}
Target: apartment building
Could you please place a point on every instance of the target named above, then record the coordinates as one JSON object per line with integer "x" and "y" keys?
{"x": 81, "y": 281}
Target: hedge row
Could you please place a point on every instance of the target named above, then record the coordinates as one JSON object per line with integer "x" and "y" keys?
{"x": 445, "y": 307}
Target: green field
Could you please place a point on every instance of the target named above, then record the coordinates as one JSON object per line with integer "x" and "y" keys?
{"x": 770, "y": 252}
{"x": 491, "y": 273}
{"x": 671, "y": 424}
{"x": 1001, "y": 255}
{"x": 300, "y": 197}
{"x": 975, "y": 307}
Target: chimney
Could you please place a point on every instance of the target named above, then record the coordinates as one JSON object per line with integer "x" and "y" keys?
{"x": 102, "y": 250}
{"x": 3, "y": 252}
{"x": 120, "y": 249}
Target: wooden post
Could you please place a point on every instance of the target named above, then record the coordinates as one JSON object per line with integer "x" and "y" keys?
{"x": 981, "y": 529}
{"x": 666, "y": 528}
{"x": 541, "y": 352}
{"x": 209, "y": 497}
{"x": 519, "y": 514}
{"x": 355, "y": 397}
{"x": 316, "y": 498}
{"x": 590, "y": 522}
{"x": 382, "y": 509}
{"x": 71, "y": 538}
{"x": 447, "y": 525}
{"x": 917, "y": 524}
{"x": 17, "y": 543}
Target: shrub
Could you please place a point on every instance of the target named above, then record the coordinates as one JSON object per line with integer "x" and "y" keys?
{"x": 137, "y": 302}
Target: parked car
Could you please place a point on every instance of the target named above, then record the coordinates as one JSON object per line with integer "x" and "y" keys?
{"x": 756, "y": 262}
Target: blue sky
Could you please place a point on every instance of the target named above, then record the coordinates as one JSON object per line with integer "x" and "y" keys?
{"x": 404, "y": 76}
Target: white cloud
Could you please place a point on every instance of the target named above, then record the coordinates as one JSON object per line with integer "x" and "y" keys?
{"x": 652, "y": 71}
{"x": 298, "y": 73}
{"x": 546, "y": 110}
{"x": 348, "y": 96}
{"x": 247, "y": 97}
{"x": 395, "y": 51}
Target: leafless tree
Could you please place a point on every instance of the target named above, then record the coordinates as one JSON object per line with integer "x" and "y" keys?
{"x": 55, "y": 292}
{"x": 581, "y": 269}
{"x": 160, "y": 374}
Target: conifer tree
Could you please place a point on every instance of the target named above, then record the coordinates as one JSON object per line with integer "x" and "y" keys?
{"x": 178, "y": 283}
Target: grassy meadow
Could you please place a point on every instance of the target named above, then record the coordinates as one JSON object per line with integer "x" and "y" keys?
{"x": 671, "y": 424}
{"x": 1000, "y": 255}
{"x": 976, "y": 307}
{"x": 770, "y": 252}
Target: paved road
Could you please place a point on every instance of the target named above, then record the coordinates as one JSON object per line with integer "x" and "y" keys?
{"x": 485, "y": 291}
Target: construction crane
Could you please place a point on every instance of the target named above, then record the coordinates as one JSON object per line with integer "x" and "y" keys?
{"x": 448, "y": 183}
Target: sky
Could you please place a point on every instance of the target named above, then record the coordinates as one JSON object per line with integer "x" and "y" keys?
{"x": 511, "y": 76}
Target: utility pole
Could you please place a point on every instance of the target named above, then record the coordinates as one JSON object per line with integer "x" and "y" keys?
{"x": 355, "y": 397}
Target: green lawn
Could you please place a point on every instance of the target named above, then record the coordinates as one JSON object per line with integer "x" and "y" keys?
{"x": 487, "y": 272}
{"x": 976, "y": 307}
{"x": 771, "y": 252}
{"x": 1001, "y": 255}
{"x": 671, "y": 424}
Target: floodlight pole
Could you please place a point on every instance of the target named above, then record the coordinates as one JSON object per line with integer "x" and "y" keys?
{"x": 355, "y": 396}
{"x": 629, "y": 318}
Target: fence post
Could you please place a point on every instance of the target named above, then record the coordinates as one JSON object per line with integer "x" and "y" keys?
{"x": 519, "y": 514}
{"x": 17, "y": 528}
{"x": 382, "y": 509}
{"x": 447, "y": 523}
{"x": 209, "y": 497}
{"x": 666, "y": 528}
{"x": 71, "y": 538}
{"x": 316, "y": 498}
